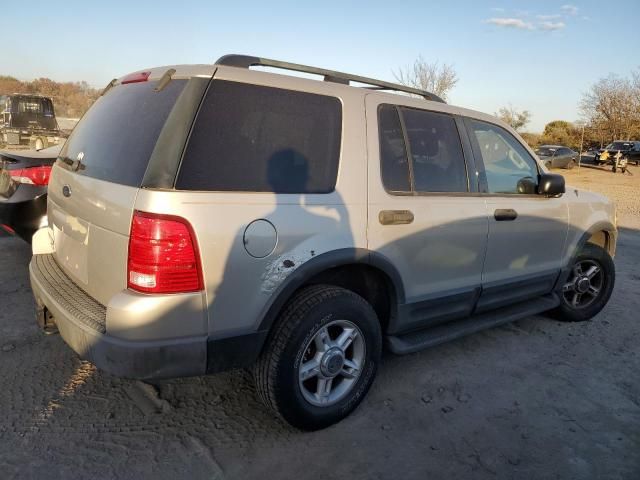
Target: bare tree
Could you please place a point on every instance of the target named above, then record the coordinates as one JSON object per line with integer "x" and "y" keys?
{"x": 432, "y": 77}
{"x": 513, "y": 117}
{"x": 612, "y": 106}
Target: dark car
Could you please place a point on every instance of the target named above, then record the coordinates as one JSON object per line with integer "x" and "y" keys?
{"x": 557, "y": 156}
{"x": 629, "y": 150}
{"x": 24, "y": 176}
{"x": 28, "y": 120}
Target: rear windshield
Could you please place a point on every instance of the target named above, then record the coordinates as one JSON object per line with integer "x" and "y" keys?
{"x": 116, "y": 136}
{"x": 263, "y": 139}
{"x": 619, "y": 146}
{"x": 32, "y": 105}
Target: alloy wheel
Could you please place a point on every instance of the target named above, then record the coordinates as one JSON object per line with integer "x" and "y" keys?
{"x": 584, "y": 285}
{"x": 332, "y": 362}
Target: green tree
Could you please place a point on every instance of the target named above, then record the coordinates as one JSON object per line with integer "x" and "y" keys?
{"x": 561, "y": 132}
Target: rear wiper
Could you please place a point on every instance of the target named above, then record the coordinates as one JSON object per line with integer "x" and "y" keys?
{"x": 69, "y": 164}
{"x": 164, "y": 80}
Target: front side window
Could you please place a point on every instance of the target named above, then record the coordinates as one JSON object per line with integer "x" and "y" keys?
{"x": 253, "y": 138}
{"x": 508, "y": 166}
{"x": 433, "y": 160}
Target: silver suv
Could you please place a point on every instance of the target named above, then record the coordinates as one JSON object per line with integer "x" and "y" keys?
{"x": 209, "y": 217}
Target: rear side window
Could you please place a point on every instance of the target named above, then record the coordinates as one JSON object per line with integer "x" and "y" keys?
{"x": 394, "y": 163}
{"x": 436, "y": 151}
{"x": 263, "y": 139}
{"x": 116, "y": 136}
{"x": 433, "y": 161}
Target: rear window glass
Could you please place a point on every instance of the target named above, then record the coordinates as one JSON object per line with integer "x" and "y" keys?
{"x": 394, "y": 162}
{"x": 263, "y": 139}
{"x": 116, "y": 136}
{"x": 438, "y": 161}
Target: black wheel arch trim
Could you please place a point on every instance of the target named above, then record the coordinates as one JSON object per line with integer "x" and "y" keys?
{"x": 321, "y": 263}
{"x": 595, "y": 228}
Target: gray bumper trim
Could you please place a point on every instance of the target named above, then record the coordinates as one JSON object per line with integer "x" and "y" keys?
{"x": 134, "y": 359}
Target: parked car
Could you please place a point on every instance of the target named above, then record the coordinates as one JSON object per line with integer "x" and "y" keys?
{"x": 24, "y": 176}
{"x": 250, "y": 219}
{"x": 557, "y": 156}
{"x": 626, "y": 149}
{"x": 27, "y": 119}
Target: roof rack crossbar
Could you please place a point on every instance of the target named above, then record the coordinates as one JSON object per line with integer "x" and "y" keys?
{"x": 246, "y": 61}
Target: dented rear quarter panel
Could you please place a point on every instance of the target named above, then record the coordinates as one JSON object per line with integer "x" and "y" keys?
{"x": 238, "y": 285}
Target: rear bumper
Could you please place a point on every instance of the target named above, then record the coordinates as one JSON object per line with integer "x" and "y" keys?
{"x": 24, "y": 213}
{"x": 81, "y": 323}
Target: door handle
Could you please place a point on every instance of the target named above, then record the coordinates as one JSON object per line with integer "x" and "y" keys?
{"x": 395, "y": 217}
{"x": 505, "y": 214}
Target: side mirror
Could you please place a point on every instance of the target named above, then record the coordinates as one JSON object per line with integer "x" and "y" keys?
{"x": 527, "y": 185}
{"x": 550, "y": 184}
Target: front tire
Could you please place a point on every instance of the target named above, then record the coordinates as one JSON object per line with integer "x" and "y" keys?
{"x": 588, "y": 288}
{"x": 321, "y": 358}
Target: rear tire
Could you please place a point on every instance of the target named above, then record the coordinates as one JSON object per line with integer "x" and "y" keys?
{"x": 588, "y": 288}
{"x": 303, "y": 353}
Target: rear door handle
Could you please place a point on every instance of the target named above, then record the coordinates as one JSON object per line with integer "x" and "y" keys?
{"x": 395, "y": 217}
{"x": 505, "y": 214}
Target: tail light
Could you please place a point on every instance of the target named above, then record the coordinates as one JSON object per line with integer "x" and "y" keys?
{"x": 136, "y": 77}
{"x": 33, "y": 175}
{"x": 163, "y": 255}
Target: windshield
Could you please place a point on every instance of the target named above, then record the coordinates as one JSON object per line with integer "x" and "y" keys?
{"x": 619, "y": 146}
{"x": 545, "y": 151}
{"x": 117, "y": 135}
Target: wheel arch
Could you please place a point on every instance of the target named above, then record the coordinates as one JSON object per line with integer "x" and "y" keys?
{"x": 602, "y": 234}
{"x": 362, "y": 271}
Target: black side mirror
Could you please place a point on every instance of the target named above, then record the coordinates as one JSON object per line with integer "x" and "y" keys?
{"x": 550, "y": 184}
{"x": 527, "y": 185}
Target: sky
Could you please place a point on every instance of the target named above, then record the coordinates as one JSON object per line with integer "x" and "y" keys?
{"x": 535, "y": 55}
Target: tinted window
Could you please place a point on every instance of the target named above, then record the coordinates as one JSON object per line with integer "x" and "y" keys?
{"x": 394, "y": 165}
{"x": 118, "y": 133}
{"x": 436, "y": 151}
{"x": 263, "y": 139}
{"x": 509, "y": 167}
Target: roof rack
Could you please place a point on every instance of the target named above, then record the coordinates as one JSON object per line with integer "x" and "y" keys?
{"x": 246, "y": 61}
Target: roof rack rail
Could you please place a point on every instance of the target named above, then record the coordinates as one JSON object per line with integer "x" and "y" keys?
{"x": 246, "y": 61}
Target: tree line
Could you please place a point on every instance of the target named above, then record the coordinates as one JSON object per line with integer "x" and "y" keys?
{"x": 70, "y": 99}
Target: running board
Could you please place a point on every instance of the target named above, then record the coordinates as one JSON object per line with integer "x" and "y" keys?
{"x": 421, "y": 339}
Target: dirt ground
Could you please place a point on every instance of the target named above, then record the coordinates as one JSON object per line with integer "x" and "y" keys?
{"x": 537, "y": 399}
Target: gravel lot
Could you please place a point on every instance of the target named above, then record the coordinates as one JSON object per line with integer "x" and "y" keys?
{"x": 535, "y": 399}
